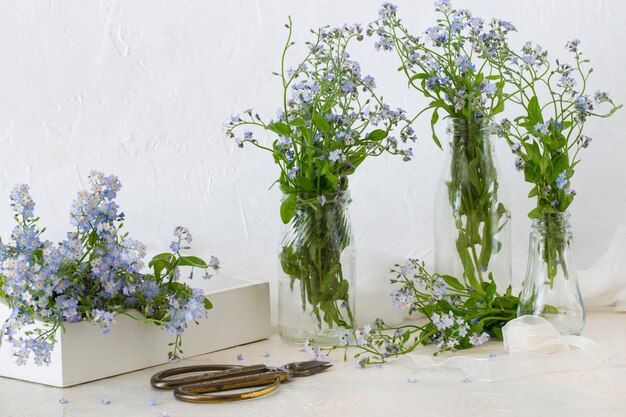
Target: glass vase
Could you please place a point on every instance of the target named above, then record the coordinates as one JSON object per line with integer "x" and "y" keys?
{"x": 550, "y": 289}
{"x": 471, "y": 222}
{"x": 316, "y": 288}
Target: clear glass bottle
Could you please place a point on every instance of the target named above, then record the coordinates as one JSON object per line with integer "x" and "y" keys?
{"x": 316, "y": 282}
{"x": 471, "y": 222}
{"x": 550, "y": 289}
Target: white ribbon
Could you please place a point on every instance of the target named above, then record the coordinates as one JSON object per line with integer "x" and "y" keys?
{"x": 534, "y": 347}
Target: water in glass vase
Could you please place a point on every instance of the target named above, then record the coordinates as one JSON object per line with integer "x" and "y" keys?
{"x": 316, "y": 289}
{"x": 471, "y": 222}
{"x": 550, "y": 288}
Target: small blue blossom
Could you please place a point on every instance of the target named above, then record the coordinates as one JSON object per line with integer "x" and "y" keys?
{"x": 21, "y": 201}
{"x": 387, "y": 9}
{"x": 572, "y": 45}
{"x": 293, "y": 172}
{"x": 476, "y": 340}
{"x": 542, "y": 128}
{"x": 464, "y": 64}
{"x": 584, "y": 106}
{"x": 335, "y": 155}
{"x": 443, "y": 6}
{"x": 240, "y": 357}
{"x": 561, "y": 180}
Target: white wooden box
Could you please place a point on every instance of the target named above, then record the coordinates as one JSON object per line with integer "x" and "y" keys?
{"x": 240, "y": 314}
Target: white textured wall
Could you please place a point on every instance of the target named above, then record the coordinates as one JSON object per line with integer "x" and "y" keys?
{"x": 141, "y": 88}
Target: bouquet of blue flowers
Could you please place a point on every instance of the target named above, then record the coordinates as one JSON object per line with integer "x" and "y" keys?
{"x": 93, "y": 275}
{"x": 449, "y": 64}
{"x": 330, "y": 122}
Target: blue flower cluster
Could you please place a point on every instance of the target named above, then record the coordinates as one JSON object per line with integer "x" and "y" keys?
{"x": 331, "y": 118}
{"x": 92, "y": 275}
{"x": 182, "y": 311}
{"x": 441, "y": 59}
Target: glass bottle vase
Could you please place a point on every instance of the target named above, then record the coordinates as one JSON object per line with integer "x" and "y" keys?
{"x": 471, "y": 222}
{"x": 550, "y": 289}
{"x": 316, "y": 291}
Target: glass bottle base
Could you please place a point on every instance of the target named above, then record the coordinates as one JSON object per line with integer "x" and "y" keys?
{"x": 326, "y": 337}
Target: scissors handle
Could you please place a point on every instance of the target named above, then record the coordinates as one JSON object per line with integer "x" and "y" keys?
{"x": 163, "y": 380}
{"x": 204, "y": 392}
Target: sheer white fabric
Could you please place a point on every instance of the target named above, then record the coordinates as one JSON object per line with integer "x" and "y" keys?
{"x": 532, "y": 347}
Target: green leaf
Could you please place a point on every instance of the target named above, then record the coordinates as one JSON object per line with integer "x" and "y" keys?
{"x": 497, "y": 331}
{"x": 166, "y": 256}
{"x": 419, "y": 76}
{"x": 298, "y": 122}
{"x": 433, "y": 120}
{"x": 536, "y": 213}
{"x": 533, "y": 192}
{"x": 406, "y": 335}
{"x": 321, "y": 123}
{"x": 288, "y": 208}
{"x": 479, "y": 78}
{"x": 534, "y": 110}
{"x": 192, "y": 261}
{"x": 158, "y": 266}
{"x": 280, "y": 128}
{"x": 207, "y": 304}
{"x": 377, "y": 134}
{"x": 499, "y": 108}
{"x": 453, "y": 282}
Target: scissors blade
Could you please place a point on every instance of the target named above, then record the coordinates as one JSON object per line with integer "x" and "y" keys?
{"x": 164, "y": 380}
{"x": 307, "y": 368}
{"x": 235, "y": 382}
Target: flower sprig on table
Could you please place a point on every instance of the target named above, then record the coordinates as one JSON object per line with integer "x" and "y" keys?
{"x": 455, "y": 317}
{"x": 548, "y": 135}
{"x": 94, "y": 275}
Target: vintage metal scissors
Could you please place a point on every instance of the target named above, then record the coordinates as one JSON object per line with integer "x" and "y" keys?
{"x": 200, "y": 383}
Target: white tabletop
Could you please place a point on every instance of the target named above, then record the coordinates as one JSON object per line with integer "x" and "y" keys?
{"x": 345, "y": 390}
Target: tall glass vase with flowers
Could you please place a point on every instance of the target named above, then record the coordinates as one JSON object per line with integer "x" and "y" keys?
{"x": 449, "y": 65}
{"x": 330, "y": 121}
{"x": 547, "y": 138}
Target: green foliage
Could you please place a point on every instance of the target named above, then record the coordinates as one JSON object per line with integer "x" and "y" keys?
{"x": 457, "y": 317}
{"x": 473, "y": 196}
{"x": 312, "y": 256}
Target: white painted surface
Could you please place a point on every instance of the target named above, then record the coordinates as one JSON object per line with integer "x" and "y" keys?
{"x": 240, "y": 314}
{"x": 347, "y": 391}
{"x": 141, "y": 88}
